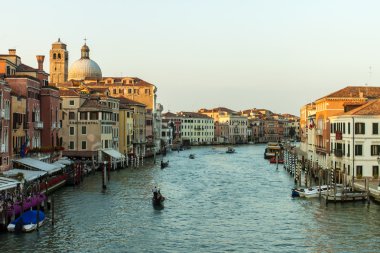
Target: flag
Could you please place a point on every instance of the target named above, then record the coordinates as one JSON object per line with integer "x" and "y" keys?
{"x": 312, "y": 125}
{"x": 24, "y": 147}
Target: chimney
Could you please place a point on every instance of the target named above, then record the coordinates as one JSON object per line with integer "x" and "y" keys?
{"x": 12, "y": 51}
{"x": 40, "y": 60}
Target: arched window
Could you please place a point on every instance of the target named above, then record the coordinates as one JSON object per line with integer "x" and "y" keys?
{"x": 59, "y": 56}
{"x": 54, "y": 56}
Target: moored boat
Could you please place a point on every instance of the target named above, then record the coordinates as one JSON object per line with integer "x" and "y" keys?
{"x": 191, "y": 156}
{"x": 27, "y": 222}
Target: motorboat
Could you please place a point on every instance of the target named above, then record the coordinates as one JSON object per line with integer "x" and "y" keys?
{"x": 191, "y": 156}
{"x": 164, "y": 164}
{"x": 313, "y": 192}
{"x": 296, "y": 192}
{"x": 230, "y": 150}
{"x": 27, "y": 222}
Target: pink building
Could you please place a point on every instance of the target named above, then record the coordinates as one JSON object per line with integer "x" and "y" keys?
{"x": 50, "y": 116}
{"x": 5, "y": 130}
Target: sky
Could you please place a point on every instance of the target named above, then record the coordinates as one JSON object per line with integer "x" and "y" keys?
{"x": 240, "y": 54}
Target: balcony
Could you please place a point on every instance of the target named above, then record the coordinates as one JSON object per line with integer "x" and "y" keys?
{"x": 2, "y": 148}
{"x": 319, "y": 131}
{"x": 58, "y": 125}
{"x": 53, "y": 125}
{"x": 320, "y": 150}
{"x": 38, "y": 124}
{"x": 338, "y": 153}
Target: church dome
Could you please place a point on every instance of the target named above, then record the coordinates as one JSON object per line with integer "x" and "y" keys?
{"x": 84, "y": 67}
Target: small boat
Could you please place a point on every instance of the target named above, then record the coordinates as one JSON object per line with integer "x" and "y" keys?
{"x": 191, "y": 156}
{"x": 230, "y": 150}
{"x": 164, "y": 164}
{"x": 27, "y": 222}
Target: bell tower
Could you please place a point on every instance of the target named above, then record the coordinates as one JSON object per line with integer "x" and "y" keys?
{"x": 59, "y": 62}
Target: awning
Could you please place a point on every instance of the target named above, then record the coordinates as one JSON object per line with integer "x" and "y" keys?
{"x": 29, "y": 175}
{"x": 37, "y": 164}
{"x": 113, "y": 153}
{"x": 57, "y": 163}
{"x": 7, "y": 183}
{"x": 64, "y": 161}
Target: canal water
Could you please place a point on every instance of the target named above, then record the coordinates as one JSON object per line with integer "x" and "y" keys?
{"x": 216, "y": 202}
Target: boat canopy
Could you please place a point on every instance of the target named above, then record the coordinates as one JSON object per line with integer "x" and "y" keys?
{"x": 38, "y": 165}
{"x": 29, "y": 175}
{"x": 7, "y": 183}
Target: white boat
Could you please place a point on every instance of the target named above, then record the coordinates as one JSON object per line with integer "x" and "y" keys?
{"x": 27, "y": 222}
{"x": 313, "y": 192}
{"x": 230, "y": 150}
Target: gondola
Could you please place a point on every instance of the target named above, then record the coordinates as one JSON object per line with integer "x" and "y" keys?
{"x": 164, "y": 164}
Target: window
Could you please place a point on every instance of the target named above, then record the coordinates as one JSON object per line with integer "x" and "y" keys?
{"x": 375, "y": 171}
{"x": 93, "y": 115}
{"x": 71, "y": 146}
{"x": 83, "y": 115}
{"x": 359, "y": 128}
{"x": 129, "y": 91}
{"x": 375, "y": 128}
{"x": 72, "y": 130}
{"x": 71, "y": 102}
{"x": 358, "y": 150}
{"x": 84, "y": 130}
{"x": 349, "y": 128}
{"x": 54, "y": 56}
{"x": 59, "y": 56}
{"x": 84, "y": 144}
{"x": 348, "y": 150}
{"x": 375, "y": 150}
{"x": 72, "y": 115}
{"x": 359, "y": 171}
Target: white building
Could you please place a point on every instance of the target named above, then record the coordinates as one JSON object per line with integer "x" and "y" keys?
{"x": 355, "y": 141}
{"x": 196, "y": 128}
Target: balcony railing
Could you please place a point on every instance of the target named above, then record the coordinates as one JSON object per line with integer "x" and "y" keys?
{"x": 38, "y": 124}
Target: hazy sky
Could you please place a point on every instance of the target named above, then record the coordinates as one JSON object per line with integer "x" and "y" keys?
{"x": 239, "y": 54}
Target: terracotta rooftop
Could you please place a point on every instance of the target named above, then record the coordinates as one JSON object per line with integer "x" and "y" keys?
{"x": 128, "y": 102}
{"x": 169, "y": 115}
{"x": 193, "y": 115}
{"x": 25, "y": 68}
{"x": 94, "y": 104}
{"x": 355, "y": 92}
{"x": 68, "y": 93}
{"x": 370, "y": 108}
